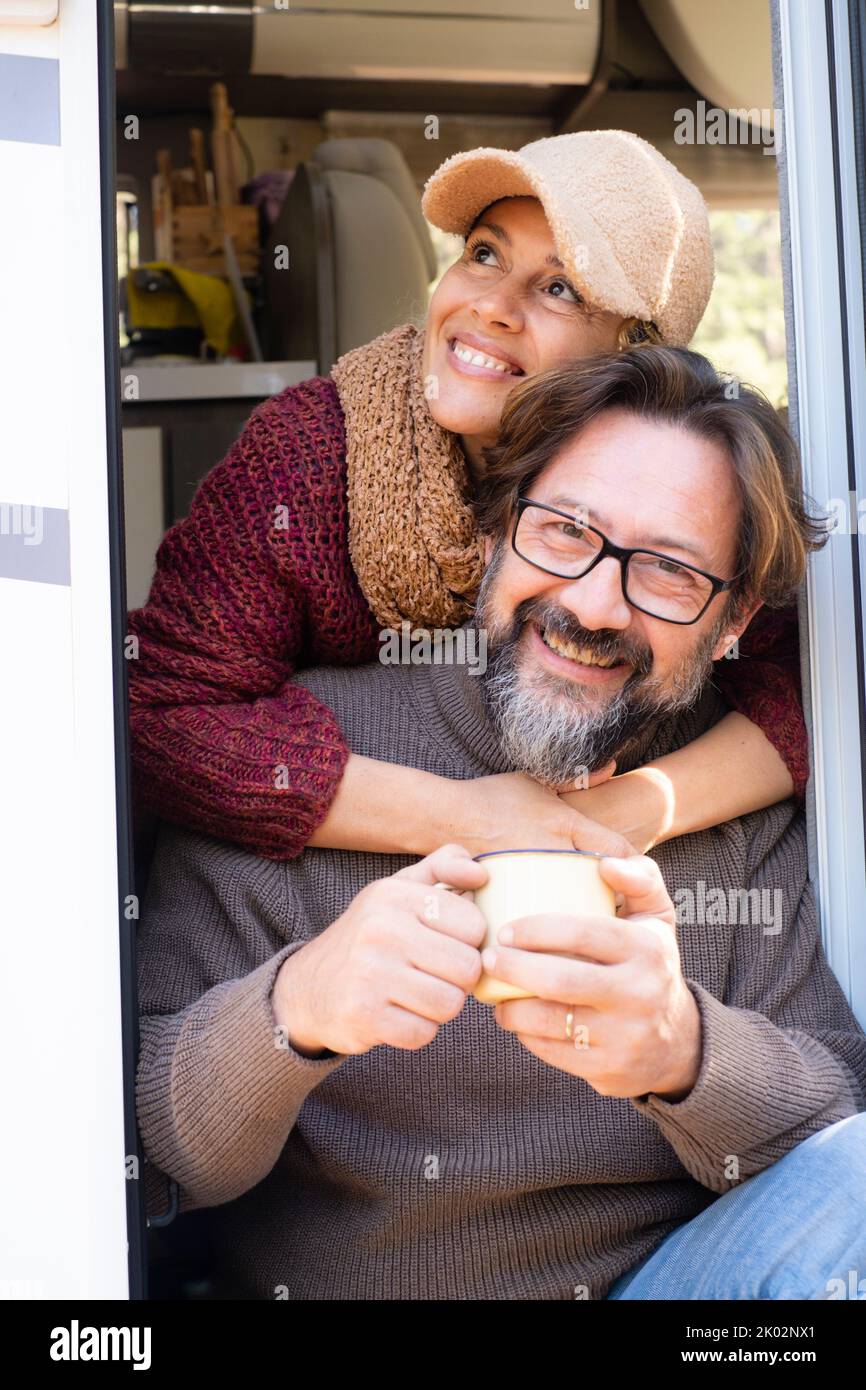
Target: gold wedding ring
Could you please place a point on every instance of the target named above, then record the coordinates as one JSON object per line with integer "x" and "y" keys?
{"x": 569, "y": 1025}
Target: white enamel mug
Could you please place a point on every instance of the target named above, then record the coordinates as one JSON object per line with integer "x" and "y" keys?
{"x": 529, "y": 883}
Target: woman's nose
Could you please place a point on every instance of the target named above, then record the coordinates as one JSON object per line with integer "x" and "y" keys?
{"x": 500, "y": 305}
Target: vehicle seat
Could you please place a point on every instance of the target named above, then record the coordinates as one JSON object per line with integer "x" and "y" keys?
{"x": 360, "y": 254}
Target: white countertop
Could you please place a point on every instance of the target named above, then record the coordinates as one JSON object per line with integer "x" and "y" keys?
{"x": 179, "y": 380}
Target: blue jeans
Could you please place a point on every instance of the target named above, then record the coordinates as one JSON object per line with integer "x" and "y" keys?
{"x": 784, "y": 1233}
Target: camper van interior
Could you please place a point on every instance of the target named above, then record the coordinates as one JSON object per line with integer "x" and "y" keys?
{"x": 268, "y": 166}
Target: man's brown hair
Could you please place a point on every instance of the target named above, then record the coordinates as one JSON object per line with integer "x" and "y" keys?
{"x": 672, "y": 384}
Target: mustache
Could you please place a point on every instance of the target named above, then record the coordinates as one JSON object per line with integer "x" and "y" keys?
{"x": 605, "y": 643}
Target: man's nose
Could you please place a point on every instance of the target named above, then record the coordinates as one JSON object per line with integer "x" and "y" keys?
{"x": 596, "y": 598}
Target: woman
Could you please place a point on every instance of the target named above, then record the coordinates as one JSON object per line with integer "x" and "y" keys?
{"x": 346, "y": 507}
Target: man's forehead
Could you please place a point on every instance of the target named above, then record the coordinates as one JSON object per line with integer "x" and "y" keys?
{"x": 672, "y": 491}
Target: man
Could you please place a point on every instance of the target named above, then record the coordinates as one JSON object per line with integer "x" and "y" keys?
{"x": 313, "y": 1065}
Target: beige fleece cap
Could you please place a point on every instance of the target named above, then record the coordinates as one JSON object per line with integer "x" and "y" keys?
{"x": 631, "y": 230}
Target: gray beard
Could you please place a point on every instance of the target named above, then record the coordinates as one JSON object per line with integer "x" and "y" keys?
{"x": 547, "y": 725}
{"x": 559, "y": 739}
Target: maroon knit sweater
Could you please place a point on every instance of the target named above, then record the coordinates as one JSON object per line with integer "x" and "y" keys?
{"x": 257, "y": 583}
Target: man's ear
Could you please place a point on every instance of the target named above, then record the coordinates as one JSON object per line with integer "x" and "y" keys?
{"x": 736, "y": 626}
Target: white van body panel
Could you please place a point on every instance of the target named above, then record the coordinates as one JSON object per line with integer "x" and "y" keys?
{"x": 63, "y": 1231}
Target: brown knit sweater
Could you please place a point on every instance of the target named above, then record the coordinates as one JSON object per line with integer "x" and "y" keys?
{"x": 468, "y": 1169}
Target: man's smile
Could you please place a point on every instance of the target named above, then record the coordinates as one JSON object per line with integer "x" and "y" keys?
{"x": 578, "y": 662}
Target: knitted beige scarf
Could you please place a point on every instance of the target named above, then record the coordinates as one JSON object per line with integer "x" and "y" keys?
{"x": 413, "y": 539}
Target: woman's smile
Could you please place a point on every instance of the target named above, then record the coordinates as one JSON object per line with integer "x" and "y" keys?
{"x": 474, "y": 356}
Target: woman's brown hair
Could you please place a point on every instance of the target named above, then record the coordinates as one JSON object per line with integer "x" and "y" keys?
{"x": 658, "y": 382}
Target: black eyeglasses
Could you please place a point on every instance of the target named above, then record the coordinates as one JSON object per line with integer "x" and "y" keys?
{"x": 560, "y": 543}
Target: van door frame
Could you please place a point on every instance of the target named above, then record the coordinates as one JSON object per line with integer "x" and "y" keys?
{"x": 822, "y": 227}
{"x": 128, "y": 906}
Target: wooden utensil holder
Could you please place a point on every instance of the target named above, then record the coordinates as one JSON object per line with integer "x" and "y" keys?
{"x": 191, "y": 235}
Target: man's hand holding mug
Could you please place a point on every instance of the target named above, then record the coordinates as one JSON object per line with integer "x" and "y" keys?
{"x": 393, "y": 968}
{"x": 621, "y": 1016}
{"x": 400, "y": 961}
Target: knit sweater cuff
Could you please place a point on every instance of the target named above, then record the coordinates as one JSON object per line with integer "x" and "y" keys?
{"x": 758, "y": 1093}
{"x": 221, "y": 1089}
